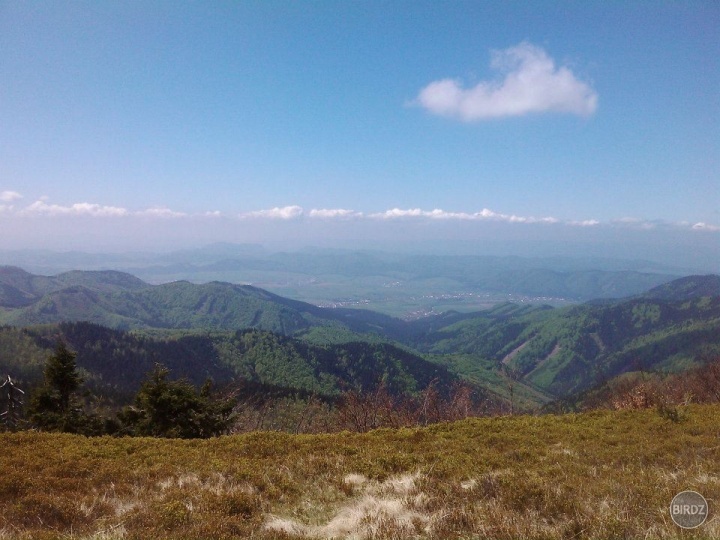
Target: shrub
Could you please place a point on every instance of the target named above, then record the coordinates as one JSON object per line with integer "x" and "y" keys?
{"x": 165, "y": 408}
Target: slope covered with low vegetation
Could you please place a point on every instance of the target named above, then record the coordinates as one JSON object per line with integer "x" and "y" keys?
{"x": 595, "y": 475}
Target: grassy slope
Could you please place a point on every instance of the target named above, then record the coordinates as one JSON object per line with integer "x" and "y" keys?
{"x": 594, "y": 475}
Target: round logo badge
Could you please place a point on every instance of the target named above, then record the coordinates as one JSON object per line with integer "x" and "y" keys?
{"x": 689, "y": 509}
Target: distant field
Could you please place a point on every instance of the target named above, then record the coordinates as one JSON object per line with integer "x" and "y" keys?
{"x": 407, "y": 299}
{"x": 594, "y": 475}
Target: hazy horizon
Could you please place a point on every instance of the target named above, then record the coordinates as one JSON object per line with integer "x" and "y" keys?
{"x": 588, "y": 257}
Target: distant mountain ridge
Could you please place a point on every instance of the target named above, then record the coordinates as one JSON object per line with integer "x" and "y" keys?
{"x": 21, "y": 288}
{"x": 685, "y": 288}
{"x": 404, "y": 285}
{"x": 535, "y": 277}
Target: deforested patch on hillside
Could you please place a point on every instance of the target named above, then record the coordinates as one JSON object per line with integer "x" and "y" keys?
{"x": 543, "y": 362}
{"x": 509, "y": 356}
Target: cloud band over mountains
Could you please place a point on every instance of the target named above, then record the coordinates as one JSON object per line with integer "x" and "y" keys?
{"x": 42, "y": 209}
{"x": 530, "y": 83}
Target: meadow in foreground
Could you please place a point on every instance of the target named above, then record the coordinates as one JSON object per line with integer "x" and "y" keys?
{"x": 601, "y": 474}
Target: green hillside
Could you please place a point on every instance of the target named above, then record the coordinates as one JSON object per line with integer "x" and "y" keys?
{"x": 566, "y": 350}
{"x": 116, "y": 362}
{"x": 685, "y": 288}
{"x": 118, "y": 300}
{"x": 33, "y": 287}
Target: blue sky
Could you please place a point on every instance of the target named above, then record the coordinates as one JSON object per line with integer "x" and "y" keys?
{"x": 160, "y": 124}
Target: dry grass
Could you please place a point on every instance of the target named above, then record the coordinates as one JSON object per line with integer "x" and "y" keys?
{"x": 605, "y": 474}
{"x": 395, "y": 504}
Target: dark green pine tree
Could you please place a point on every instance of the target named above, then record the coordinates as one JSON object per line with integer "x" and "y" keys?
{"x": 62, "y": 377}
{"x": 165, "y": 408}
{"x": 55, "y": 406}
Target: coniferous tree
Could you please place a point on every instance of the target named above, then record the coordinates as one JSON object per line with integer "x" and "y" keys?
{"x": 56, "y": 406}
{"x": 62, "y": 377}
{"x": 165, "y": 408}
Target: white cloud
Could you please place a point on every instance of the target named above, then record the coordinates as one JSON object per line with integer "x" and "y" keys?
{"x": 584, "y": 223}
{"x": 286, "y": 212}
{"x": 295, "y": 212}
{"x": 549, "y": 219}
{"x": 484, "y": 215}
{"x": 9, "y": 196}
{"x": 160, "y": 212}
{"x": 659, "y": 224}
{"x": 489, "y": 214}
{"x": 77, "y": 209}
{"x": 701, "y": 226}
{"x": 43, "y": 208}
{"x": 398, "y": 213}
{"x": 637, "y": 223}
{"x": 333, "y": 213}
{"x": 628, "y": 220}
{"x": 532, "y": 83}
{"x": 437, "y": 213}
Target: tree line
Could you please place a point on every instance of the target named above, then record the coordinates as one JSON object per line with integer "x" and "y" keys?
{"x": 164, "y": 407}
{"x": 161, "y": 408}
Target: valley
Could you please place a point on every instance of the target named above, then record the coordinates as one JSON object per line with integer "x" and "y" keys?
{"x": 397, "y": 284}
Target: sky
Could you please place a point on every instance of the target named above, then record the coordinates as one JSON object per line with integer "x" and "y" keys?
{"x": 518, "y": 127}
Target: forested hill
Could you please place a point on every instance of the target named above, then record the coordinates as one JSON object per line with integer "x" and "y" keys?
{"x": 685, "y": 288}
{"x": 20, "y": 288}
{"x": 566, "y": 350}
{"x": 115, "y": 362}
{"x": 121, "y": 301}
